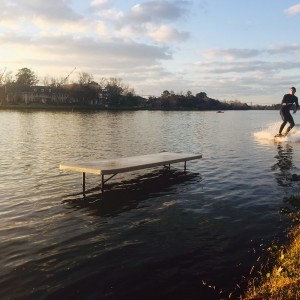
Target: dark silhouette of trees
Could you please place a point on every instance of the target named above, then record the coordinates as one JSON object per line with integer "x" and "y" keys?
{"x": 170, "y": 100}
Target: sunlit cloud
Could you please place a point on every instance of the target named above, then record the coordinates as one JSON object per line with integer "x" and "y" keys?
{"x": 46, "y": 27}
{"x": 165, "y": 34}
{"x": 101, "y": 29}
{"x": 293, "y": 10}
{"x": 9, "y": 24}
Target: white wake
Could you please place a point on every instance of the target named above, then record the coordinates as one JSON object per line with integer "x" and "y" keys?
{"x": 268, "y": 133}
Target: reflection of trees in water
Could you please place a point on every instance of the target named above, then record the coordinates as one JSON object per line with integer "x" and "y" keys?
{"x": 285, "y": 177}
{"x": 284, "y": 165}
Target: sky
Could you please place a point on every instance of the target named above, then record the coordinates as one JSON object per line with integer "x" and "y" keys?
{"x": 230, "y": 49}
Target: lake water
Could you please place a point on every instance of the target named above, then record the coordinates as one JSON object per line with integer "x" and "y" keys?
{"x": 193, "y": 236}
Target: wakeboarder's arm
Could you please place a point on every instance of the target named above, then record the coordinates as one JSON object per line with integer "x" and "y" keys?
{"x": 283, "y": 102}
{"x": 296, "y": 105}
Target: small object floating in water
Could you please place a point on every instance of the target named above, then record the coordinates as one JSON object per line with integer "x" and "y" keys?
{"x": 220, "y": 112}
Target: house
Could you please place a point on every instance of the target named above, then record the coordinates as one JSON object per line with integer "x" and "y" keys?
{"x": 34, "y": 94}
{"x": 44, "y": 94}
{"x": 67, "y": 94}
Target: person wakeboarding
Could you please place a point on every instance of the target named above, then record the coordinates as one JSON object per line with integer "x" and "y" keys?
{"x": 286, "y": 105}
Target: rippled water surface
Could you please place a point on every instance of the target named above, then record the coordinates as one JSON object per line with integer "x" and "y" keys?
{"x": 154, "y": 235}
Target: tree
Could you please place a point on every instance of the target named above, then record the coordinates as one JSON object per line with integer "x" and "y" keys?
{"x": 85, "y": 78}
{"x": 165, "y": 94}
{"x": 201, "y": 95}
{"x": 114, "y": 88}
{"x": 6, "y": 78}
{"x": 26, "y": 77}
{"x": 52, "y": 81}
{"x": 189, "y": 94}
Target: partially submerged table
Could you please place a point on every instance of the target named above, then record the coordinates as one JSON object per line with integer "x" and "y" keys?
{"x": 126, "y": 164}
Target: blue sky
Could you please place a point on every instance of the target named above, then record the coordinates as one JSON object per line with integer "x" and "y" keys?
{"x": 232, "y": 50}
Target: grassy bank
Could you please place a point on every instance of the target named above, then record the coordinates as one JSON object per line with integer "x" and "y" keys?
{"x": 281, "y": 281}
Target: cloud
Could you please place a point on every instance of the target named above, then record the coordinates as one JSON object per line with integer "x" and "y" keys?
{"x": 293, "y": 10}
{"x": 231, "y": 54}
{"x": 157, "y": 10}
{"x": 284, "y": 49}
{"x": 100, "y": 3}
{"x": 7, "y": 8}
{"x": 45, "y": 27}
{"x": 36, "y": 16}
{"x": 54, "y": 10}
{"x": 111, "y": 15}
{"x": 152, "y": 19}
{"x": 101, "y": 29}
{"x": 145, "y": 21}
{"x": 244, "y": 73}
{"x": 246, "y": 67}
{"x": 91, "y": 52}
{"x": 166, "y": 34}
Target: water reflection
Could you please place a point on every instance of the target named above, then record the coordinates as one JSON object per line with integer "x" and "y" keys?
{"x": 128, "y": 194}
{"x": 286, "y": 178}
{"x": 284, "y": 164}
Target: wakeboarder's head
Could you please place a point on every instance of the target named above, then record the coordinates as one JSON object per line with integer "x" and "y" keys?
{"x": 292, "y": 90}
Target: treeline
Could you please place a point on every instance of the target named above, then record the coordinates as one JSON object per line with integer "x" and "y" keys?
{"x": 113, "y": 93}
{"x": 84, "y": 91}
{"x": 200, "y": 101}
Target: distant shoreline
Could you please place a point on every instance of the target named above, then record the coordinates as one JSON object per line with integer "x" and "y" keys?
{"x": 47, "y": 107}
{"x": 70, "y": 107}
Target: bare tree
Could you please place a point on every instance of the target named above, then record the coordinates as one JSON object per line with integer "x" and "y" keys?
{"x": 52, "y": 81}
{"x": 6, "y": 77}
{"x": 85, "y": 78}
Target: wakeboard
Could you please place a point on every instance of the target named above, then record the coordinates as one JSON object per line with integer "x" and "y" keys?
{"x": 280, "y": 136}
